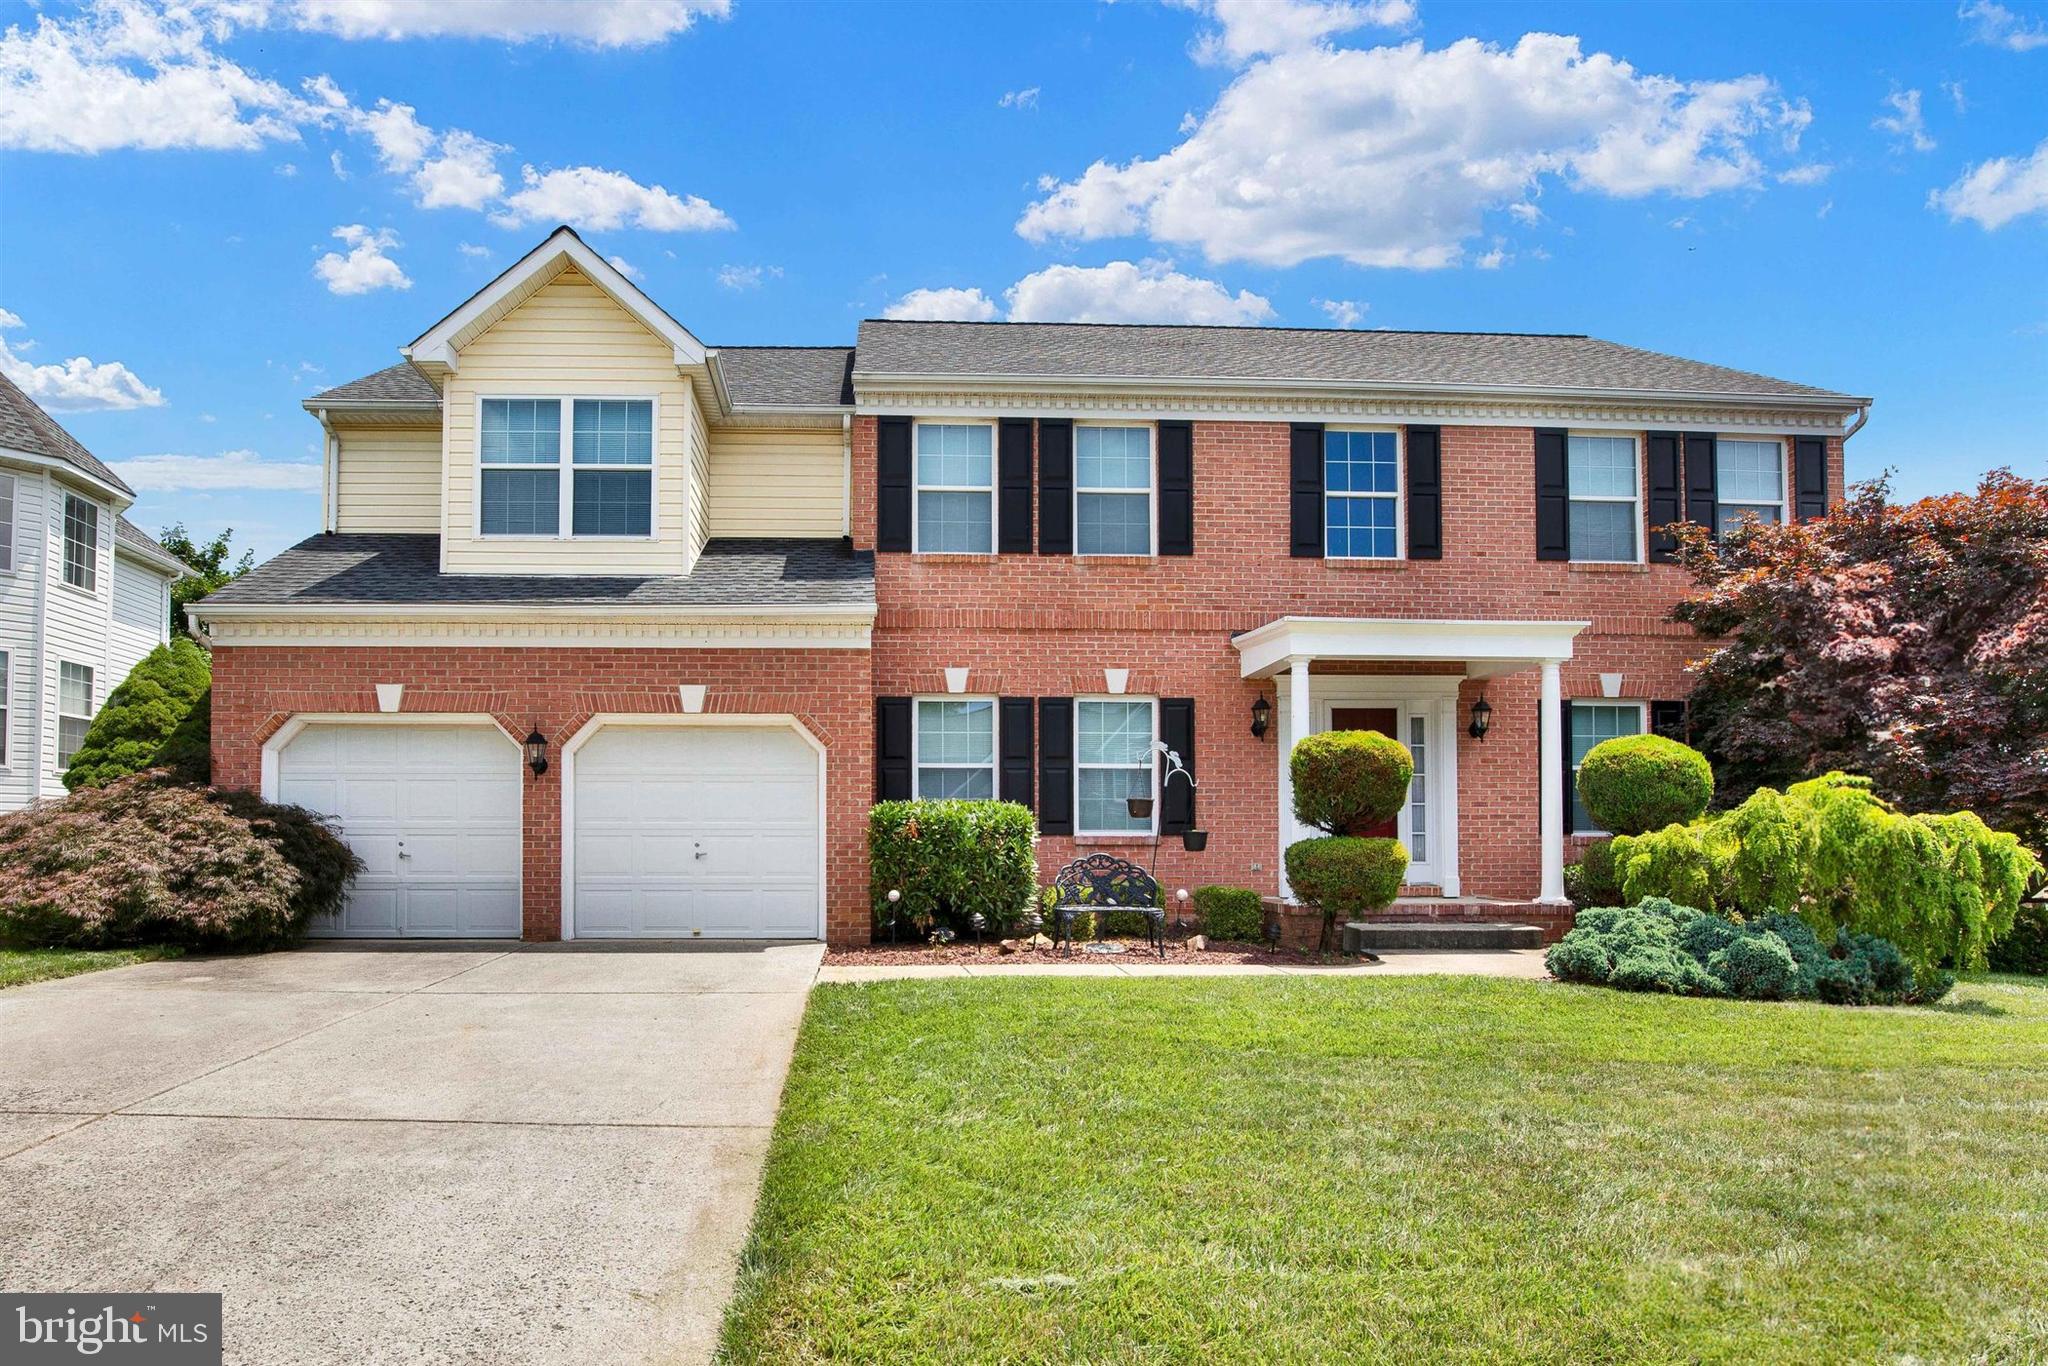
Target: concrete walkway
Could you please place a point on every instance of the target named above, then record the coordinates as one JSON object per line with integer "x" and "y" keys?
{"x": 1524, "y": 963}
{"x": 404, "y": 1152}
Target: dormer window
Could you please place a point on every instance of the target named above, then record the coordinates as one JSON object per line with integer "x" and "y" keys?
{"x": 610, "y": 488}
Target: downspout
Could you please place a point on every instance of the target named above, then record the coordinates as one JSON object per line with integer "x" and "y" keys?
{"x": 1862, "y": 416}
{"x": 330, "y": 471}
{"x": 846, "y": 474}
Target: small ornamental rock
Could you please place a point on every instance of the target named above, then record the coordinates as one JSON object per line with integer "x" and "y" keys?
{"x": 1006, "y": 946}
{"x": 1039, "y": 941}
{"x": 1199, "y": 944}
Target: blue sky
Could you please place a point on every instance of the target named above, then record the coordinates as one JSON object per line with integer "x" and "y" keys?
{"x": 212, "y": 210}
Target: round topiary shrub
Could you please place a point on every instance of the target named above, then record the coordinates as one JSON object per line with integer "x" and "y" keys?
{"x": 1345, "y": 875}
{"x": 1637, "y": 783}
{"x": 1344, "y": 779}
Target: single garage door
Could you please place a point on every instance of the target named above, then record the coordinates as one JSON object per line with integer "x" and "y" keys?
{"x": 433, "y": 811}
{"x": 693, "y": 831}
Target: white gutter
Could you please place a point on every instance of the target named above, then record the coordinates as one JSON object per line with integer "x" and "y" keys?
{"x": 679, "y": 614}
{"x": 846, "y": 474}
{"x": 171, "y": 564}
{"x": 121, "y": 498}
{"x": 330, "y": 470}
{"x": 1862, "y": 416}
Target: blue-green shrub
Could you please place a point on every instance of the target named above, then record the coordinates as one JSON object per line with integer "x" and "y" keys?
{"x": 950, "y": 860}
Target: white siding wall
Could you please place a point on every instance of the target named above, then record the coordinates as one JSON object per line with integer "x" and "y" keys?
{"x": 18, "y": 591}
{"x": 75, "y": 626}
{"x": 389, "y": 479}
{"x": 141, "y": 618}
{"x": 776, "y": 483}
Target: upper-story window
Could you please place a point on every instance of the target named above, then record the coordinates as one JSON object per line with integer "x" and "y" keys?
{"x": 81, "y": 543}
{"x": 1749, "y": 477}
{"x": 956, "y": 487}
{"x": 610, "y": 489}
{"x": 1605, "y": 493}
{"x": 1361, "y": 495}
{"x": 6, "y": 523}
{"x": 956, "y": 747}
{"x": 1113, "y": 762}
{"x": 1112, "y": 490}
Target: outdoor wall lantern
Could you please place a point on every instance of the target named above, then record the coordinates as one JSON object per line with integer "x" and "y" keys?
{"x": 1482, "y": 718}
{"x": 537, "y": 752}
{"x": 1262, "y": 713}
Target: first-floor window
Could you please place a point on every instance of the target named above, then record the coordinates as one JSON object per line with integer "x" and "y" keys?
{"x": 1361, "y": 495}
{"x": 956, "y": 487}
{"x": 1112, "y": 763}
{"x": 956, "y": 748}
{"x": 74, "y": 710}
{"x": 1592, "y": 722}
{"x": 1749, "y": 477}
{"x": 1601, "y": 476}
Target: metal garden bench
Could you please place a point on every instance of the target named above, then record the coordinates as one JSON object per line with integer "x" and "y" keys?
{"x": 1104, "y": 882}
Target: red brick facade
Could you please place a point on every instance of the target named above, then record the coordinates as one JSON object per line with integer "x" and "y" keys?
{"x": 1029, "y": 625}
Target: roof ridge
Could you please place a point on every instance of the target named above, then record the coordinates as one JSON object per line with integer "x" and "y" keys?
{"x": 1242, "y": 327}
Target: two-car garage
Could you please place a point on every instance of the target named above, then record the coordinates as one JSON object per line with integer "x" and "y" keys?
{"x": 672, "y": 827}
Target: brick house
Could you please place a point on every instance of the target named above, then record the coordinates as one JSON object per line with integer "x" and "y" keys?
{"x": 611, "y": 633}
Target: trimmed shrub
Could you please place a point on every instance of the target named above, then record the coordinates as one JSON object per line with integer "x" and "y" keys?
{"x": 951, "y": 859}
{"x": 1687, "y": 864}
{"x": 1345, "y": 779}
{"x": 2025, "y": 948}
{"x": 147, "y": 722}
{"x": 1122, "y": 925}
{"x": 1637, "y": 783}
{"x": 1231, "y": 913}
{"x": 1756, "y": 967}
{"x": 1344, "y": 875}
{"x": 1591, "y": 881}
{"x": 146, "y": 859}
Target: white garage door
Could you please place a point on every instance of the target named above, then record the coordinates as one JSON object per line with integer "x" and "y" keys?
{"x": 690, "y": 831}
{"x": 433, "y": 811}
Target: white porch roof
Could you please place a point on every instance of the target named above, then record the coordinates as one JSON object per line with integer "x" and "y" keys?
{"x": 1484, "y": 648}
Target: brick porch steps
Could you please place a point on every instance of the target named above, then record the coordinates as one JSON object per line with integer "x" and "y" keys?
{"x": 1299, "y": 927}
{"x": 1440, "y": 936}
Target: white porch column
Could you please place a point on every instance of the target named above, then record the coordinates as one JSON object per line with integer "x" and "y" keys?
{"x": 1551, "y": 798}
{"x": 1297, "y": 702}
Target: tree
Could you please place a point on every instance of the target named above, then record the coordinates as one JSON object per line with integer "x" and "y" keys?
{"x": 157, "y": 718}
{"x": 209, "y": 565}
{"x": 1908, "y": 643}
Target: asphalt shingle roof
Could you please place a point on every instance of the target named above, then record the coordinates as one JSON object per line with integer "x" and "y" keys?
{"x": 805, "y": 376}
{"x": 388, "y": 570}
{"x": 394, "y": 384}
{"x": 27, "y": 428}
{"x": 1486, "y": 359}
{"x": 125, "y": 530}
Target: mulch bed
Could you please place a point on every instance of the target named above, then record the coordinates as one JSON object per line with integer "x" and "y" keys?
{"x": 987, "y": 955}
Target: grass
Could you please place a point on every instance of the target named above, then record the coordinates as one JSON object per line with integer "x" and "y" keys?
{"x": 1316, "y": 1169}
{"x": 19, "y": 967}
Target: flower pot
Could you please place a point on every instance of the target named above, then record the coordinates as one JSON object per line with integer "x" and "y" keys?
{"x": 1194, "y": 841}
{"x": 1139, "y": 807}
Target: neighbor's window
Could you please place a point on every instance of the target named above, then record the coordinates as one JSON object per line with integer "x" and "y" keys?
{"x": 6, "y": 692}
{"x": 956, "y": 487}
{"x": 1361, "y": 496}
{"x": 956, "y": 748}
{"x": 81, "y": 543}
{"x": 1113, "y": 762}
{"x": 613, "y": 441}
{"x": 520, "y": 452}
{"x": 1749, "y": 476}
{"x": 6, "y": 523}
{"x": 74, "y": 709}
{"x": 1113, "y": 490}
{"x": 1591, "y": 723}
{"x": 1601, "y": 474}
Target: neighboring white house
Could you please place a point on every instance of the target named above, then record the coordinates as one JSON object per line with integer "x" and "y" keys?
{"x": 84, "y": 594}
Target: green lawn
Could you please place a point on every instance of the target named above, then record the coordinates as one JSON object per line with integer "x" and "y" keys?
{"x": 1321, "y": 1169}
{"x": 21, "y": 966}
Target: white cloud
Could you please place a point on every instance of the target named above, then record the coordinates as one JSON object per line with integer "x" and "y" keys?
{"x": 747, "y": 277}
{"x": 1998, "y": 26}
{"x": 472, "y": 249}
{"x": 1813, "y": 173}
{"x": 596, "y": 23}
{"x": 402, "y": 141}
{"x": 1525, "y": 213}
{"x": 339, "y": 167}
{"x": 1246, "y": 29}
{"x": 1123, "y": 292}
{"x": 943, "y": 305}
{"x": 1393, "y": 156}
{"x": 1342, "y": 312}
{"x": 601, "y": 200}
{"x": 625, "y": 267}
{"x": 288, "y": 170}
{"x": 76, "y": 385}
{"x": 1954, "y": 90}
{"x": 211, "y": 473}
{"x": 1998, "y": 191}
{"x": 1905, "y": 122}
{"x": 1493, "y": 260}
{"x": 1026, "y": 98}
{"x": 366, "y": 267}
{"x": 464, "y": 176}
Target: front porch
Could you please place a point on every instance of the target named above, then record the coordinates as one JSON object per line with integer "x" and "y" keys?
{"x": 1416, "y": 680}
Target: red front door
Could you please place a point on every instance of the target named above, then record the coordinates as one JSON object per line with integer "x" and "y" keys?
{"x": 1387, "y": 722}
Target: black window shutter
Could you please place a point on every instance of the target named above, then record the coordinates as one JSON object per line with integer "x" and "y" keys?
{"x": 1013, "y": 486}
{"x": 1701, "y": 482}
{"x": 1425, "y": 494}
{"x": 1667, "y": 487}
{"x": 1056, "y": 488}
{"x": 892, "y": 483}
{"x": 1668, "y": 720}
{"x": 1810, "y": 477}
{"x": 1564, "y": 756}
{"x": 1177, "y": 798}
{"x": 1305, "y": 489}
{"x": 1055, "y": 765}
{"x": 892, "y": 749}
{"x": 1553, "y": 496}
{"x": 1176, "y": 488}
{"x": 1019, "y": 750}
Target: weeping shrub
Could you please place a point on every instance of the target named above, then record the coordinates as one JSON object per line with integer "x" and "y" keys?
{"x": 149, "y": 721}
{"x": 952, "y": 859}
{"x": 1635, "y": 783}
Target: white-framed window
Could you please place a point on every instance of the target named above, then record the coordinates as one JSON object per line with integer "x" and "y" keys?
{"x": 81, "y": 543}
{"x": 1418, "y": 788}
{"x": 1112, "y": 490}
{"x": 6, "y": 523}
{"x": 1113, "y": 762}
{"x": 956, "y": 488}
{"x": 6, "y": 702}
{"x": 1592, "y": 722}
{"x": 609, "y": 491}
{"x": 954, "y": 747}
{"x": 1606, "y": 511}
{"x": 74, "y": 709}
{"x": 1749, "y": 477}
{"x": 1361, "y": 494}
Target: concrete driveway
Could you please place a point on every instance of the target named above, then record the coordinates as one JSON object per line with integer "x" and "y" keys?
{"x": 404, "y": 1152}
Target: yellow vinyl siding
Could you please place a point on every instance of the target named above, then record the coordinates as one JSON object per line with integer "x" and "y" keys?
{"x": 700, "y": 499}
{"x": 776, "y": 483}
{"x": 570, "y": 340}
{"x": 389, "y": 479}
